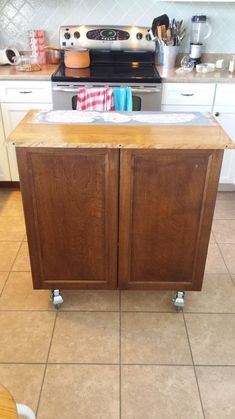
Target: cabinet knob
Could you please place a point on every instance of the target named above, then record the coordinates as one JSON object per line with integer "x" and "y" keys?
{"x": 217, "y": 114}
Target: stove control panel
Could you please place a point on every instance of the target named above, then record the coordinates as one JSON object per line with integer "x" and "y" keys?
{"x": 106, "y": 37}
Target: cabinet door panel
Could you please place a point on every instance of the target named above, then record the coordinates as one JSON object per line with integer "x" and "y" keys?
{"x": 70, "y": 200}
{"x": 166, "y": 206}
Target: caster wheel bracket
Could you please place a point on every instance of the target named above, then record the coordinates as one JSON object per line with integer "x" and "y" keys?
{"x": 179, "y": 300}
{"x": 56, "y": 298}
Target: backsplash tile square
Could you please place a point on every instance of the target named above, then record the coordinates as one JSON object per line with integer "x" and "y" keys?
{"x": 18, "y": 16}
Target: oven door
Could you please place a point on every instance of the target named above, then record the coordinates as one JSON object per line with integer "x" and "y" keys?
{"x": 145, "y": 97}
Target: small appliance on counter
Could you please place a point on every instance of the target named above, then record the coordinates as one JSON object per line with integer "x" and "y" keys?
{"x": 200, "y": 31}
{"x": 9, "y": 56}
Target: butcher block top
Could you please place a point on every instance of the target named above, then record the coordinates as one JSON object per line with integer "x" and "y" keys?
{"x": 157, "y": 130}
{"x": 7, "y": 404}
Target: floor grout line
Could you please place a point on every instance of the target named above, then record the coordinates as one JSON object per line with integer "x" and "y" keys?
{"x": 2, "y": 310}
{"x": 120, "y": 311}
{"x": 8, "y": 274}
{"x": 221, "y": 253}
{"x": 46, "y": 364}
{"x": 118, "y": 364}
{"x": 194, "y": 368}
{"x": 11, "y": 266}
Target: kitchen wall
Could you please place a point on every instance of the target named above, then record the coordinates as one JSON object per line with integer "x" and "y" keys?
{"x": 17, "y": 16}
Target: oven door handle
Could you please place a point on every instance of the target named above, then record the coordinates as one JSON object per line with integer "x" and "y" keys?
{"x": 146, "y": 89}
{"x": 133, "y": 89}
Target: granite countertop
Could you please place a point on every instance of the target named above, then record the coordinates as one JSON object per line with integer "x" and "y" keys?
{"x": 158, "y": 132}
{"x": 9, "y": 72}
{"x": 218, "y": 76}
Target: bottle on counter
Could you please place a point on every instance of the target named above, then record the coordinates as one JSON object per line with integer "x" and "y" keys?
{"x": 231, "y": 67}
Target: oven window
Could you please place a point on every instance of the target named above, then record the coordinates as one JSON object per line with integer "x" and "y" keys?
{"x": 136, "y": 100}
{"x": 74, "y": 103}
{"x": 136, "y": 103}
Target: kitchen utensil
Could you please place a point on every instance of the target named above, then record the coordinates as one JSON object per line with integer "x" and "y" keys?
{"x": 163, "y": 28}
{"x": 177, "y": 32}
{"x": 53, "y": 48}
{"x": 79, "y": 58}
{"x": 159, "y": 35}
{"x": 168, "y": 36}
{"x": 55, "y": 56}
{"x": 159, "y": 21}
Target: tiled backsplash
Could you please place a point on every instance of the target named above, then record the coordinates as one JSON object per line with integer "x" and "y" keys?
{"x": 18, "y": 16}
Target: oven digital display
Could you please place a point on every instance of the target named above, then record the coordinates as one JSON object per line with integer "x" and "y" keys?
{"x": 108, "y": 34}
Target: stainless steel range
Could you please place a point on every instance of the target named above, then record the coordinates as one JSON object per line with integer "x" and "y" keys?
{"x": 120, "y": 56}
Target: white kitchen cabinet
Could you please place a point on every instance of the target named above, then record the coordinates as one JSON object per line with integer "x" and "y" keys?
{"x": 224, "y": 110}
{"x": 186, "y": 97}
{"x": 207, "y": 97}
{"x": 4, "y": 164}
{"x": 17, "y": 98}
{"x": 21, "y": 91}
{"x": 12, "y": 114}
{"x": 227, "y": 175}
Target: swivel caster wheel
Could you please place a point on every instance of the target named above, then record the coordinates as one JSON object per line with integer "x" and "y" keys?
{"x": 179, "y": 300}
{"x": 56, "y": 298}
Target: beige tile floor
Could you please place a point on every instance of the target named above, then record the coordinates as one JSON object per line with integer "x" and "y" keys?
{"x": 118, "y": 355}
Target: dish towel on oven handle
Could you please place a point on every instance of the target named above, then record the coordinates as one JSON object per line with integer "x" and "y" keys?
{"x": 122, "y": 99}
{"x": 95, "y": 99}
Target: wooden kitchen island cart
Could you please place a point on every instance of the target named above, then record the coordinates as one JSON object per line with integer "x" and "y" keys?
{"x": 119, "y": 205}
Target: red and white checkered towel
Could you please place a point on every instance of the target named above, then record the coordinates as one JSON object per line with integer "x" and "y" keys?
{"x": 95, "y": 99}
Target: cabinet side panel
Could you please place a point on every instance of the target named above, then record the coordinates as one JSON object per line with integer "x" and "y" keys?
{"x": 166, "y": 208}
{"x": 70, "y": 202}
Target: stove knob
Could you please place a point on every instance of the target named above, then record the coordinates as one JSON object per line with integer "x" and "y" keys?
{"x": 139, "y": 35}
{"x": 148, "y": 37}
{"x": 67, "y": 35}
{"x": 76, "y": 35}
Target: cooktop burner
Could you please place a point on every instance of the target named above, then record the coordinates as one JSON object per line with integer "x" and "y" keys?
{"x": 134, "y": 72}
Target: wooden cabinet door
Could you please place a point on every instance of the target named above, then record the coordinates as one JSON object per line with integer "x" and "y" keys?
{"x": 70, "y": 199}
{"x": 167, "y": 200}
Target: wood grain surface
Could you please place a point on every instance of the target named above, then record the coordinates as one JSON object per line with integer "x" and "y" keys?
{"x": 7, "y": 404}
{"x": 30, "y": 133}
{"x": 70, "y": 199}
{"x": 167, "y": 201}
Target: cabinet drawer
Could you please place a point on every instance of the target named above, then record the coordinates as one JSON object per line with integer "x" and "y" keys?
{"x": 188, "y": 93}
{"x": 225, "y": 95}
{"x": 25, "y": 91}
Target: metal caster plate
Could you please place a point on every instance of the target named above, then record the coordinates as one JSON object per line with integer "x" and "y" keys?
{"x": 56, "y": 298}
{"x": 179, "y": 300}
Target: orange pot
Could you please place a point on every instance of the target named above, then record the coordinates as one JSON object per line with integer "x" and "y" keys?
{"x": 79, "y": 58}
